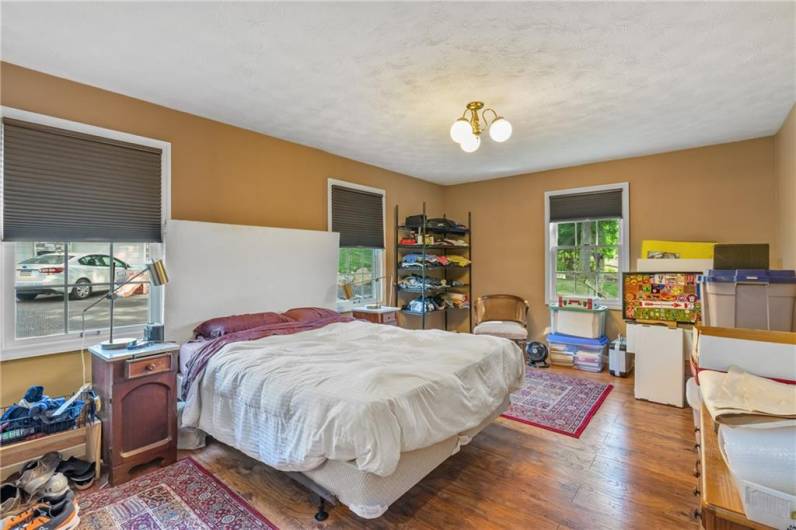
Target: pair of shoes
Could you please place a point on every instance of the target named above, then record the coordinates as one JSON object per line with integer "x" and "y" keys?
{"x": 63, "y": 516}
{"x": 40, "y": 479}
{"x": 79, "y": 472}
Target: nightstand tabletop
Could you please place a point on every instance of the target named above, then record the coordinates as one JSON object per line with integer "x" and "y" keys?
{"x": 133, "y": 353}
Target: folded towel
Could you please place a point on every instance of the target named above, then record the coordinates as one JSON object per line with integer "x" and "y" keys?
{"x": 740, "y": 398}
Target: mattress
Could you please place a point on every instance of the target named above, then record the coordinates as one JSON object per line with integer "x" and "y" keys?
{"x": 351, "y": 391}
{"x": 369, "y": 495}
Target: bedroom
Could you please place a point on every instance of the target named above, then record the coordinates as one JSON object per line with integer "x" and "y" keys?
{"x": 259, "y": 158}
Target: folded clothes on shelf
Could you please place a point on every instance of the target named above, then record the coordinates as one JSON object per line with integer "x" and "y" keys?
{"x": 447, "y": 225}
{"x": 420, "y": 260}
{"x": 437, "y": 303}
{"x": 432, "y": 260}
{"x": 458, "y": 300}
{"x": 460, "y": 261}
{"x": 414, "y": 281}
{"x": 427, "y": 305}
{"x": 440, "y": 224}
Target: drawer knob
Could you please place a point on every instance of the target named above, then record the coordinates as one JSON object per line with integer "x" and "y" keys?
{"x": 696, "y": 514}
{"x": 697, "y": 493}
{"x": 150, "y": 367}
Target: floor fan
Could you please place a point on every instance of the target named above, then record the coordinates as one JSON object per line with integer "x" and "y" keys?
{"x": 537, "y": 355}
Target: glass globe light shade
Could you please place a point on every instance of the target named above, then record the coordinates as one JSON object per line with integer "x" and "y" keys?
{"x": 500, "y": 130}
{"x": 471, "y": 144}
{"x": 461, "y": 130}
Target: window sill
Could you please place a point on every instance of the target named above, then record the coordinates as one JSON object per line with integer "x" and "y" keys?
{"x": 42, "y": 346}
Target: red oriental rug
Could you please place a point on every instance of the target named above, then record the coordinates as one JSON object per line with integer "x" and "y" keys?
{"x": 557, "y": 402}
{"x": 182, "y": 496}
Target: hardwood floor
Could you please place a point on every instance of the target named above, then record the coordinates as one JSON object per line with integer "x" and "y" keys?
{"x": 631, "y": 468}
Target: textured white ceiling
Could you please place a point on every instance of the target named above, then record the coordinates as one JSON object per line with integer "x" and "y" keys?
{"x": 381, "y": 83}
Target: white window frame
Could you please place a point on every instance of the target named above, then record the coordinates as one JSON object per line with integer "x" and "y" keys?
{"x": 624, "y": 251}
{"x": 14, "y": 348}
{"x": 350, "y": 304}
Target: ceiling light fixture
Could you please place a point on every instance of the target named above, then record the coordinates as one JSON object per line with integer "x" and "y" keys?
{"x": 467, "y": 131}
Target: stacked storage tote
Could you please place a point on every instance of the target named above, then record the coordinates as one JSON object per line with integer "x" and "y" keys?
{"x": 577, "y": 337}
{"x": 750, "y": 298}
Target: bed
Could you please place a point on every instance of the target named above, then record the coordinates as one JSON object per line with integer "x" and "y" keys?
{"x": 358, "y": 412}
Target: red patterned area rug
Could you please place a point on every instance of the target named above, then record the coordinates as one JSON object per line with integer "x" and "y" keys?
{"x": 556, "y": 402}
{"x": 182, "y": 496}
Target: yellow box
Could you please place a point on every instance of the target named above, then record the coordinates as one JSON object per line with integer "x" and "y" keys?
{"x": 682, "y": 249}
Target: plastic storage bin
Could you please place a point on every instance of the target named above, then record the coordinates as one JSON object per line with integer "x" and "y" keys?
{"x": 582, "y": 353}
{"x": 562, "y": 359}
{"x": 750, "y": 298}
{"x": 578, "y": 321}
{"x": 589, "y": 362}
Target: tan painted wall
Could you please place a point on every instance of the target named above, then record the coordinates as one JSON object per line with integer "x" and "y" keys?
{"x": 226, "y": 174}
{"x": 721, "y": 193}
{"x": 220, "y": 173}
{"x": 785, "y": 168}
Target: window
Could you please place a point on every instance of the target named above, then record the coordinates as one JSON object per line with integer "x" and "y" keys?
{"x": 55, "y": 282}
{"x": 358, "y": 275}
{"x": 586, "y": 243}
{"x": 357, "y": 213}
{"x": 98, "y": 204}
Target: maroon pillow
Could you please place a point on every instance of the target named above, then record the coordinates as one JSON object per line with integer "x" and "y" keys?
{"x": 217, "y": 327}
{"x": 306, "y": 314}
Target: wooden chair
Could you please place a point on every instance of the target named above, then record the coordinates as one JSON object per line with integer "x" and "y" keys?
{"x": 502, "y": 315}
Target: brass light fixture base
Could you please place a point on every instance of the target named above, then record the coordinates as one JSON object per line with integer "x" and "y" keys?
{"x": 474, "y": 107}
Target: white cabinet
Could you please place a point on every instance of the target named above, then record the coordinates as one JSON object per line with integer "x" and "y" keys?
{"x": 659, "y": 362}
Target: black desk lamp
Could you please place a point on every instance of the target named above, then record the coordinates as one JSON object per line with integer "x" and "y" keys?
{"x": 158, "y": 276}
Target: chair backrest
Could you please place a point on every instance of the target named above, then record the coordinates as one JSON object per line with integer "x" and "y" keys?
{"x": 501, "y": 307}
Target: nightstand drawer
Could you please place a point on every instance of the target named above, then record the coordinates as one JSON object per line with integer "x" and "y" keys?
{"x": 149, "y": 366}
{"x": 378, "y": 317}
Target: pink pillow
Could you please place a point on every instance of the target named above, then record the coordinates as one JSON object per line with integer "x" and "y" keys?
{"x": 306, "y": 314}
{"x": 217, "y": 327}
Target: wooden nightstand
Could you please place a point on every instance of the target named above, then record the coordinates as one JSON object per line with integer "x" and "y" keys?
{"x": 383, "y": 315}
{"x": 138, "y": 389}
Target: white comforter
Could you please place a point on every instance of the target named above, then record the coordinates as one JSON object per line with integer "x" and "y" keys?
{"x": 350, "y": 391}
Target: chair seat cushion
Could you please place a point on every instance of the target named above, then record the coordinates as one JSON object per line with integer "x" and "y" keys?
{"x": 502, "y": 328}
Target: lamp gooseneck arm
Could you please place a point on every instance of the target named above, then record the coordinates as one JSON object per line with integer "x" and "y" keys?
{"x": 108, "y": 296}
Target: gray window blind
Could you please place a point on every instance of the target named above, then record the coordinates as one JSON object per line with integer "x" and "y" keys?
{"x": 358, "y": 216}
{"x": 591, "y": 205}
{"x": 61, "y": 185}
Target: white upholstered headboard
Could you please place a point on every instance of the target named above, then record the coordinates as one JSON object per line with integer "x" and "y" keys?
{"x": 219, "y": 269}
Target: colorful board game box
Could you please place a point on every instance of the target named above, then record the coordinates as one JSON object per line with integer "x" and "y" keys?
{"x": 662, "y": 296}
